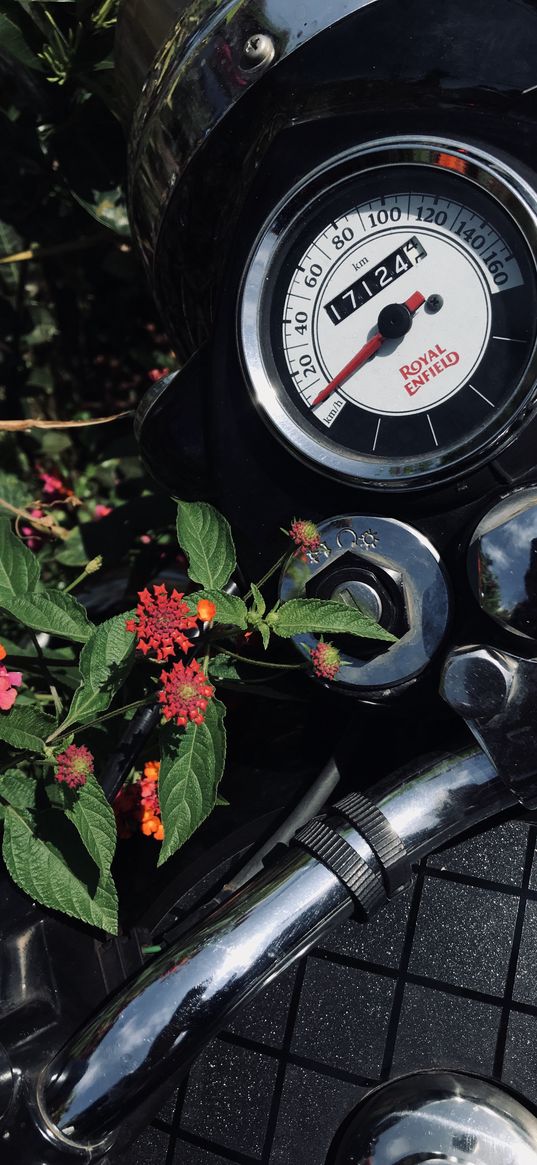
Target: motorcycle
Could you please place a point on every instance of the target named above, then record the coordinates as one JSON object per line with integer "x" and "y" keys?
{"x": 336, "y": 206}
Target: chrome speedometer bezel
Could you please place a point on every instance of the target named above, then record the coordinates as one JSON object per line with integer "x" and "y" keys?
{"x": 503, "y": 183}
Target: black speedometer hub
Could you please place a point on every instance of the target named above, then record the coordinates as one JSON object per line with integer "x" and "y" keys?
{"x": 388, "y": 313}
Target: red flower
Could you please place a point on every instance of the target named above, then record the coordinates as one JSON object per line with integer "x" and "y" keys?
{"x": 185, "y": 693}
{"x": 326, "y": 660}
{"x": 75, "y": 765}
{"x": 158, "y": 373}
{"x": 9, "y": 682}
{"x": 206, "y": 610}
{"x": 102, "y": 511}
{"x": 305, "y": 534}
{"x": 160, "y": 623}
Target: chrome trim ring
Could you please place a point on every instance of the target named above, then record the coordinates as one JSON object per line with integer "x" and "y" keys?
{"x": 491, "y": 174}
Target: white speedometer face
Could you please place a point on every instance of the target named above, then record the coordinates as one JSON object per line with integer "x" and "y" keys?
{"x": 394, "y": 319}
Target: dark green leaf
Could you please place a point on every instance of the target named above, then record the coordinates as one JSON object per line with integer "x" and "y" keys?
{"x": 221, "y": 667}
{"x": 105, "y": 662}
{"x": 300, "y": 615}
{"x": 230, "y": 610}
{"x": 206, "y": 539}
{"x": 92, "y": 817}
{"x": 18, "y": 789}
{"x": 26, "y": 728}
{"x": 13, "y": 42}
{"x": 191, "y": 765}
{"x": 57, "y": 877}
{"x": 19, "y": 568}
{"x": 52, "y": 611}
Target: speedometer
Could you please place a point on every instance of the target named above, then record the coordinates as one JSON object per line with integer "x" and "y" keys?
{"x": 388, "y": 313}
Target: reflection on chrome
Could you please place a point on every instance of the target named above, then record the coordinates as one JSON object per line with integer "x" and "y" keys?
{"x": 148, "y": 1033}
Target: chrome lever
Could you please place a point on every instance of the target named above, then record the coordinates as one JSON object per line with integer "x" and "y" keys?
{"x": 495, "y": 692}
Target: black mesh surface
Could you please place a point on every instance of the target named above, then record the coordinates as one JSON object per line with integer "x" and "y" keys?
{"x": 444, "y": 977}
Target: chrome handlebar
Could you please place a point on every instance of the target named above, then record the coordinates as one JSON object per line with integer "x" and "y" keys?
{"x": 148, "y": 1033}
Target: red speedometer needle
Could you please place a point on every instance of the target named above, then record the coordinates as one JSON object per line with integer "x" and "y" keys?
{"x": 399, "y": 326}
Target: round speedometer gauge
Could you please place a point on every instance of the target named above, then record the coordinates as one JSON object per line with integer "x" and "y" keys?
{"x": 388, "y": 313}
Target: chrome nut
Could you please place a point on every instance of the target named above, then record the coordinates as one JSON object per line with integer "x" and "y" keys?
{"x": 390, "y": 557}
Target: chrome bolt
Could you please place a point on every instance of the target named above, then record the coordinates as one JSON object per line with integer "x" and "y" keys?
{"x": 362, "y": 595}
{"x": 476, "y": 683}
{"x": 259, "y": 51}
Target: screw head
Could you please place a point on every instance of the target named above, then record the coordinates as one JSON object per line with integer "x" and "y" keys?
{"x": 434, "y": 303}
{"x": 258, "y": 51}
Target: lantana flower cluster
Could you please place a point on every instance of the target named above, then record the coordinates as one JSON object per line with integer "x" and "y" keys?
{"x": 160, "y": 623}
{"x": 137, "y": 805}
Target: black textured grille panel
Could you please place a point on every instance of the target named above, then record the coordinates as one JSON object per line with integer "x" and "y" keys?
{"x": 443, "y": 976}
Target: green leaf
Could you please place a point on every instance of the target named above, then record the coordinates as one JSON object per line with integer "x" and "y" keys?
{"x": 191, "y": 765}
{"x": 229, "y": 608}
{"x": 13, "y": 42}
{"x": 26, "y": 728}
{"x": 221, "y": 667}
{"x": 264, "y": 631}
{"x": 52, "y": 871}
{"x": 92, "y": 817}
{"x": 14, "y": 491}
{"x": 19, "y": 568}
{"x": 73, "y": 551}
{"x": 260, "y": 605}
{"x": 206, "y": 539}
{"x": 18, "y": 789}
{"x": 105, "y": 662}
{"x": 52, "y": 611}
{"x": 300, "y": 615}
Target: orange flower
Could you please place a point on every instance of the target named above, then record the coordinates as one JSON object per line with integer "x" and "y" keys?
{"x": 206, "y": 610}
{"x": 3, "y": 651}
{"x": 151, "y": 770}
{"x": 150, "y": 826}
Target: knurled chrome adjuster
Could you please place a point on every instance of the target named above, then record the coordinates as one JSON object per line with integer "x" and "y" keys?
{"x": 365, "y": 887}
{"x": 369, "y": 821}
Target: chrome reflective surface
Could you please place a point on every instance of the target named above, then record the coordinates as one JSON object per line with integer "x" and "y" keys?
{"x": 147, "y": 1034}
{"x": 197, "y": 75}
{"x": 276, "y": 236}
{"x": 432, "y": 1117}
{"x": 502, "y": 563}
{"x": 496, "y": 693}
{"x": 410, "y": 560}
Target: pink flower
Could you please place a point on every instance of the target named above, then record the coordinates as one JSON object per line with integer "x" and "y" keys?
{"x": 75, "y": 765}
{"x": 52, "y": 485}
{"x": 102, "y": 511}
{"x": 157, "y": 373}
{"x": 305, "y": 534}
{"x": 9, "y": 682}
{"x": 326, "y": 660}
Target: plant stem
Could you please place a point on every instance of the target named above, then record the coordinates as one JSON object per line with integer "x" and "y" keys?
{"x": 57, "y": 531}
{"x": 60, "y": 731}
{"x": 260, "y": 663}
{"x": 48, "y": 678}
{"x": 268, "y": 575}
